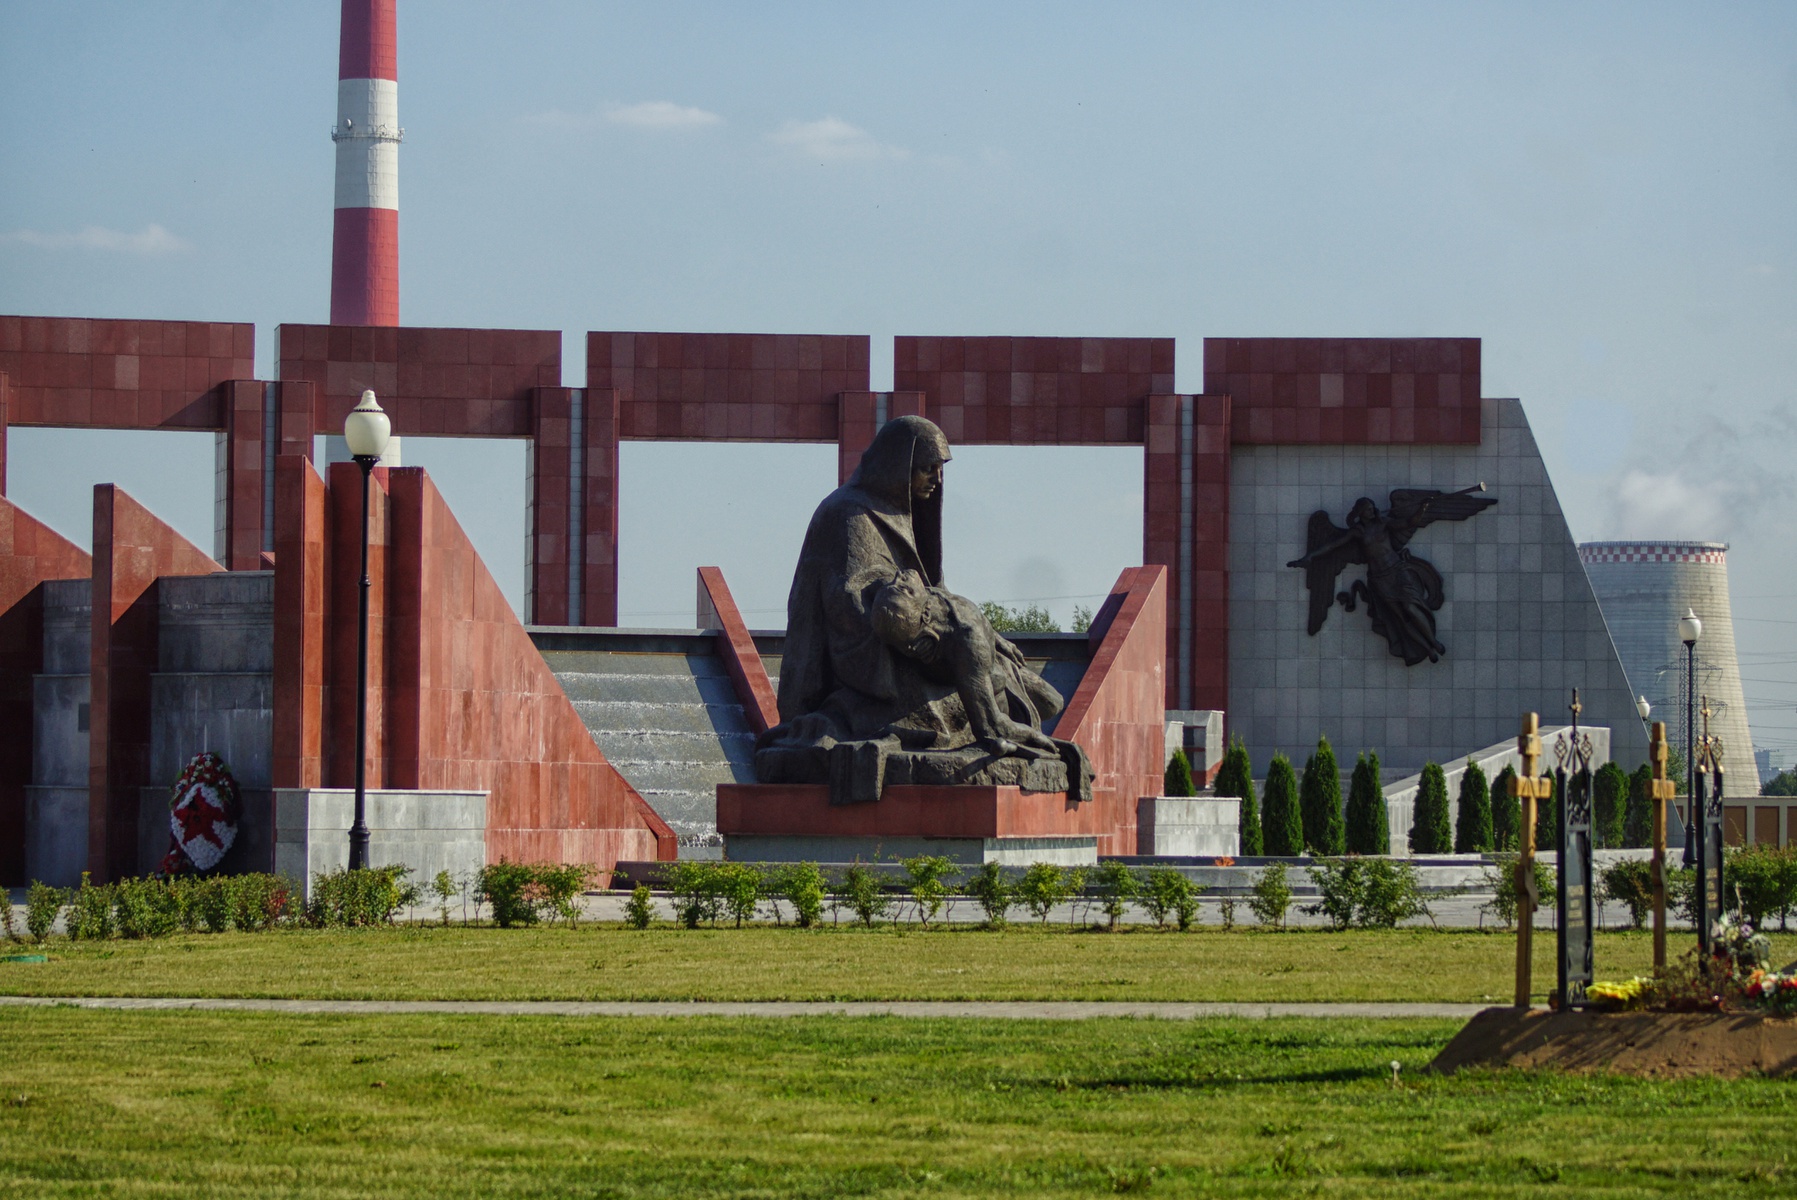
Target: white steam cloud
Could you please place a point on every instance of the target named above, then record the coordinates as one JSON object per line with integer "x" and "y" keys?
{"x": 154, "y": 240}
{"x": 832, "y": 139}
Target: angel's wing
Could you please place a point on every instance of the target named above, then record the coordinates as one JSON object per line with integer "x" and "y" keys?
{"x": 1329, "y": 548}
{"x": 1413, "y": 508}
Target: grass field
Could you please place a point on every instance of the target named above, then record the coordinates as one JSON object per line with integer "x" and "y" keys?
{"x": 245, "y": 1105}
{"x": 609, "y": 962}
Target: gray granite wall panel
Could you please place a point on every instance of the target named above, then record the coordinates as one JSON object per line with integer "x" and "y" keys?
{"x": 1521, "y": 625}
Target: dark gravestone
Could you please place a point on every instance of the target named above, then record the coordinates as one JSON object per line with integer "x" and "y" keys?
{"x": 1575, "y": 901}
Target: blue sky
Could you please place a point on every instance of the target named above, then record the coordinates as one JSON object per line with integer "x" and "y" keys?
{"x": 1603, "y": 193}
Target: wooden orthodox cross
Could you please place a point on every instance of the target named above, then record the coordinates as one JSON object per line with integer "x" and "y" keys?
{"x": 1660, "y": 791}
{"x": 1527, "y": 787}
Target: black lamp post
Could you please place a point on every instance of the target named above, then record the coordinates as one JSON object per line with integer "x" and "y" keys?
{"x": 366, "y": 429}
{"x": 1689, "y": 630}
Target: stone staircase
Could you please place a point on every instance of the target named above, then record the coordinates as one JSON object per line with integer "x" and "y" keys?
{"x": 661, "y": 708}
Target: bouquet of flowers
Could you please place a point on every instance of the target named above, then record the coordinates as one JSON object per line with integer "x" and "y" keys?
{"x": 1774, "y": 991}
{"x": 203, "y": 810}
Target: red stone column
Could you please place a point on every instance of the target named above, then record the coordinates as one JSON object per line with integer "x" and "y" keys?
{"x": 248, "y": 403}
{"x": 552, "y": 495}
{"x": 599, "y": 534}
{"x": 860, "y": 416}
{"x": 344, "y": 509}
{"x": 5, "y": 405}
{"x": 1185, "y": 527}
{"x": 302, "y": 542}
{"x": 132, "y": 550}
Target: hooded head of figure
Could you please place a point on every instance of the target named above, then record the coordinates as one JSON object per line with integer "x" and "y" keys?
{"x": 903, "y": 467}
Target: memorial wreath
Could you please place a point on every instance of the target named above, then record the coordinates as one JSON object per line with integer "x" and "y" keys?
{"x": 204, "y": 806}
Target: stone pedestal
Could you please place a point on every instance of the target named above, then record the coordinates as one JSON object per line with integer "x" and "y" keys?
{"x": 1188, "y": 826}
{"x": 967, "y": 824}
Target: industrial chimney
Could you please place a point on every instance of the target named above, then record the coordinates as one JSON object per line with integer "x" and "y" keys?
{"x": 365, "y": 238}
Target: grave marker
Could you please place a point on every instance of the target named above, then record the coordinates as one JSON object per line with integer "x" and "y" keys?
{"x": 1574, "y": 899}
{"x": 1527, "y": 787}
{"x": 1660, "y": 790}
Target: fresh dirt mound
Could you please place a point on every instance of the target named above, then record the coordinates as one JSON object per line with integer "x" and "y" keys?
{"x": 1655, "y": 1045}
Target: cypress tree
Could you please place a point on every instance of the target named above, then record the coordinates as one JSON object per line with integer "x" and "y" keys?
{"x": 1178, "y": 781}
{"x": 1472, "y": 830}
{"x": 1368, "y": 829}
{"x": 1637, "y": 822}
{"x": 1547, "y": 829}
{"x": 1284, "y": 826}
{"x": 1429, "y": 832}
{"x": 1506, "y": 813}
{"x": 1320, "y": 800}
{"x": 1235, "y": 777}
{"x": 1609, "y": 795}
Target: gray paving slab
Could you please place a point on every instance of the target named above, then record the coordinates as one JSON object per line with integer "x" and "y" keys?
{"x": 1034, "y": 1010}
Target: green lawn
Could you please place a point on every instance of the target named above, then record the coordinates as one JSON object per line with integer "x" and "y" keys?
{"x": 195, "y": 1104}
{"x": 609, "y": 962}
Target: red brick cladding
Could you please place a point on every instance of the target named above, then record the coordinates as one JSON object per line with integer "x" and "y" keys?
{"x": 472, "y": 705}
{"x": 1019, "y": 391}
{"x": 343, "y": 504}
{"x": 1348, "y": 391}
{"x": 904, "y": 810}
{"x": 599, "y": 539}
{"x": 132, "y": 550}
{"x": 748, "y": 674}
{"x": 442, "y": 382}
{"x": 727, "y": 387}
{"x": 859, "y": 418}
{"x": 1117, "y": 712}
{"x": 30, "y": 553}
{"x": 5, "y": 407}
{"x": 77, "y": 371}
{"x": 551, "y": 492}
{"x": 302, "y": 569}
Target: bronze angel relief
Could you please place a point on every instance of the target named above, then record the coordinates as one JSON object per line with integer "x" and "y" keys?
{"x": 1402, "y": 592}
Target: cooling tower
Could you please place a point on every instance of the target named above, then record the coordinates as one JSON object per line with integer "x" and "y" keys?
{"x": 1643, "y": 589}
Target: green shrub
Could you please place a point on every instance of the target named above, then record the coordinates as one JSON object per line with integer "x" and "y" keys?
{"x": 740, "y": 887}
{"x": 1547, "y": 819}
{"x": 1637, "y": 822}
{"x": 558, "y": 888}
{"x": 1762, "y": 881}
{"x": 1284, "y": 822}
{"x": 212, "y": 902}
{"x": 340, "y": 899}
{"x": 1368, "y": 829}
{"x": 924, "y": 880}
{"x": 1390, "y": 893}
{"x": 1429, "y": 831}
{"x": 1472, "y": 825}
{"x": 443, "y": 887}
{"x": 145, "y": 908}
{"x": 1043, "y": 886}
{"x": 1609, "y": 799}
{"x": 1167, "y": 893}
{"x": 993, "y": 892}
{"x": 1178, "y": 778}
{"x": 694, "y": 889}
{"x": 1500, "y": 875}
{"x": 510, "y": 890}
{"x": 1235, "y": 777}
{"x": 1117, "y": 886}
{"x": 640, "y": 907}
{"x": 261, "y": 901}
{"x": 860, "y": 892}
{"x": 1629, "y": 882}
{"x": 1320, "y": 800}
{"x": 43, "y": 904}
{"x": 802, "y": 886}
{"x": 1272, "y": 897}
{"x": 1341, "y": 888}
{"x": 8, "y": 921}
{"x": 1506, "y": 813}
{"x": 90, "y": 912}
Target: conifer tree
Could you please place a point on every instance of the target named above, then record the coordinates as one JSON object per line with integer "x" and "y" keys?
{"x": 1368, "y": 828}
{"x": 1637, "y": 822}
{"x": 1506, "y": 813}
{"x": 1547, "y": 821}
{"x": 1235, "y": 777}
{"x": 1178, "y": 781}
{"x": 1429, "y": 831}
{"x": 1284, "y": 824}
{"x": 1320, "y": 800}
{"x": 1472, "y": 826}
{"x": 1609, "y": 797}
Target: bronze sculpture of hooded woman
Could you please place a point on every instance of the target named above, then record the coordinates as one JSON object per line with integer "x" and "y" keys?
{"x": 883, "y": 667}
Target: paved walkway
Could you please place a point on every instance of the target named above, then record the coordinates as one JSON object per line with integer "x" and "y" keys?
{"x": 1036, "y": 1010}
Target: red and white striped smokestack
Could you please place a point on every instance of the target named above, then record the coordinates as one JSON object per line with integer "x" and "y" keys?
{"x": 365, "y": 240}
